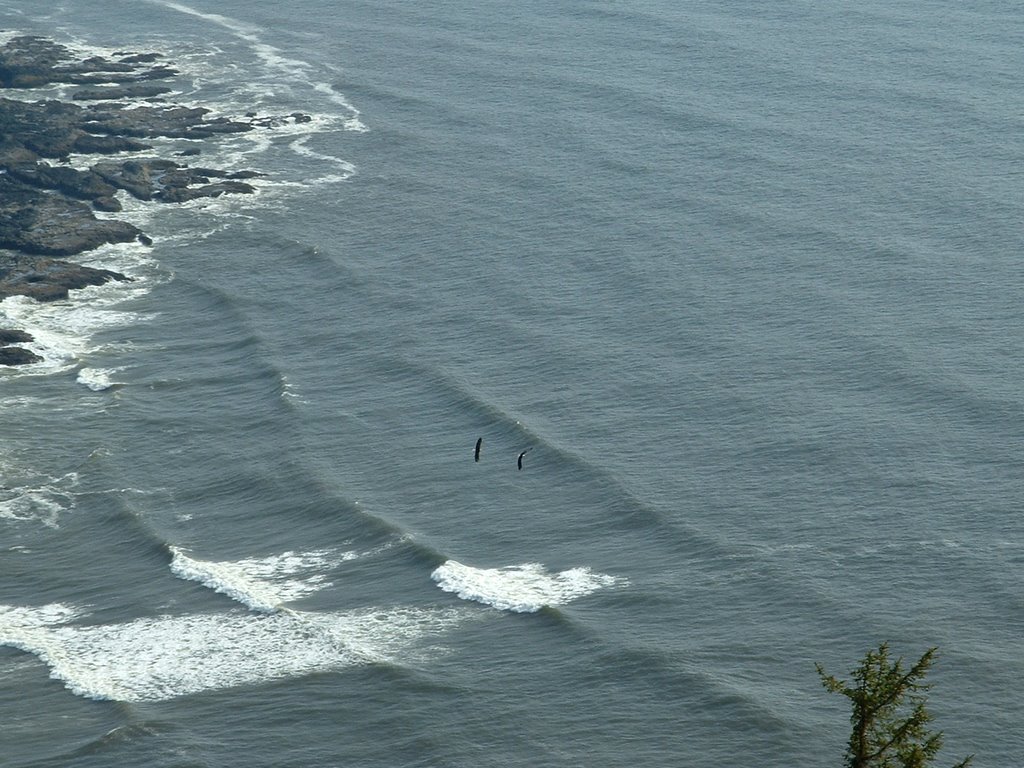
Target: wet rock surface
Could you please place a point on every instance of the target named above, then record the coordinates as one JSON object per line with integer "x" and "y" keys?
{"x": 47, "y": 207}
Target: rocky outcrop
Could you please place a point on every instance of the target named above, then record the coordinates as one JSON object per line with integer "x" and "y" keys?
{"x": 47, "y": 207}
{"x": 138, "y": 91}
{"x": 18, "y": 356}
{"x": 47, "y": 279}
{"x": 35, "y": 221}
{"x": 170, "y": 182}
{"x": 29, "y": 61}
{"x": 12, "y": 355}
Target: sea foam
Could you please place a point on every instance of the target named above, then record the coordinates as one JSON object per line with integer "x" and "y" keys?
{"x": 520, "y": 588}
{"x": 97, "y": 379}
{"x": 262, "y": 584}
{"x": 63, "y": 331}
{"x": 158, "y": 658}
{"x": 162, "y": 657}
{"x": 277, "y": 67}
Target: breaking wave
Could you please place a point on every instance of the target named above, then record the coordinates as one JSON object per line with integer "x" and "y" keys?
{"x": 523, "y": 588}
{"x": 262, "y": 584}
{"x": 154, "y": 659}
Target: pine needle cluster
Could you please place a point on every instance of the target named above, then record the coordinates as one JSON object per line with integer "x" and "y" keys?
{"x": 890, "y": 718}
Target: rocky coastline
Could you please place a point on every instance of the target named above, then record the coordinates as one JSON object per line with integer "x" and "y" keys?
{"x": 47, "y": 207}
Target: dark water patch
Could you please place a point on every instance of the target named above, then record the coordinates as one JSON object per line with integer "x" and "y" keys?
{"x": 71, "y": 724}
{"x": 672, "y": 678}
{"x": 414, "y": 681}
{"x": 75, "y": 563}
{"x": 420, "y": 554}
{"x": 148, "y": 734}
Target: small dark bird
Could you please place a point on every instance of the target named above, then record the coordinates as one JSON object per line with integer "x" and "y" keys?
{"x": 519, "y": 461}
{"x": 476, "y": 453}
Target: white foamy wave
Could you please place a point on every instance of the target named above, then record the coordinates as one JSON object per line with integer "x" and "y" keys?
{"x": 278, "y": 68}
{"x": 262, "y": 584}
{"x": 13, "y": 617}
{"x": 292, "y": 98}
{"x": 62, "y": 330}
{"x": 97, "y": 379}
{"x": 237, "y": 27}
{"x": 153, "y": 659}
{"x": 133, "y": 259}
{"x": 352, "y": 123}
{"x": 26, "y": 495}
{"x": 43, "y": 504}
{"x": 345, "y": 168}
{"x": 288, "y": 391}
{"x": 262, "y": 149}
{"x": 520, "y": 588}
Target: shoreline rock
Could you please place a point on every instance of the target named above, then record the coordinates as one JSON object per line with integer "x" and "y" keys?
{"x": 14, "y": 355}
{"x": 46, "y": 210}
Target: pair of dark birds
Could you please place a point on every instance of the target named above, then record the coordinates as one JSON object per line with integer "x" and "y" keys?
{"x": 480, "y": 441}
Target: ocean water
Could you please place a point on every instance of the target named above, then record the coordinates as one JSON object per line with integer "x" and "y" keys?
{"x": 742, "y": 278}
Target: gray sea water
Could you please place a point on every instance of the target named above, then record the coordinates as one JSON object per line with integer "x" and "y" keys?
{"x": 743, "y": 278}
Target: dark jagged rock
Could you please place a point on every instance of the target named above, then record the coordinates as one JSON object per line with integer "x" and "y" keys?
{"x": 38, "y": 222}
{"x": 11, "y": 355}
{"x": 33, "y": 132}
{"x": 137, "y": 58}
{"x": 170, "y": 121}
{"x": 88, "y": 144}
{"x": 133, "y": 176}
{"x": 18, "y": 356}
{"x": 181, "y": 194}
{"x": 123, "y": 92}
{"x": 169, "y": 182}
{"x": 84, "y": 185}
{"x": 48, "y": 279}
{"x": 46, "y": 209}
{"x": 55, "y": 129}
{"x": 30, "y": 62}
{"x": 11, "y": 336}
{"x": 14, "y": 153}
{"x": 112, "y": 205}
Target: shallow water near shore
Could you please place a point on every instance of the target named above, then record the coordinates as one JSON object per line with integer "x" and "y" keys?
{"x": 743, "y": 279}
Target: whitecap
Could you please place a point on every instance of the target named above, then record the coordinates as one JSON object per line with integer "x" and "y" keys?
{"x": 237, "y": 27}
{"x": 62, "y": 331}
{"x": 293, "y": 96}
{"x": 277, "y": 65}
{"x": 98, "y": 379}
{"x": 17, "y": 616}
{"x": 288, "y": 391}
{"x": 522, "y": 588}
{"x": 43, "y": 504}
{"x": 345, "y": 168}
{"x": 352, "y": 122}
{"x": 262, "y": 584}
{"x": 159, "y": 658}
